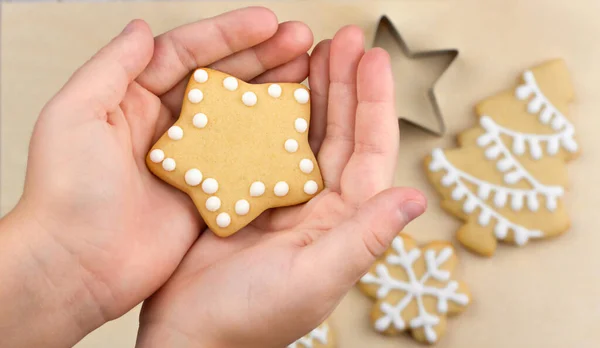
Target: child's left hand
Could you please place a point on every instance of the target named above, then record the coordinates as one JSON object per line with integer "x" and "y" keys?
{"x": 95, "y": 233}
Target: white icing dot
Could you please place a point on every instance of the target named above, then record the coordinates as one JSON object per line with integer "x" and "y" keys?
{"x": 242, "y": 207}
{"x": 193, "y": 177}
{"x": 291, "y": 145}
{"x": 257, "y": 189}
{"x": 301, "y": 95}
{"x": 210, "y": 186}
{"x": 274, "y": 90}
{"x": 281, "y": 189}
{"x": 169, "y": 164}
{"x": 175, "y": 133}
{"x": 195, "y": 96}
{"x": 301, "y": 125}
{"x": 213, "y": 203}
{"x": 200, "y": 120}
{"x": 310, "y": 187}
{"x": 306, "y": 166}
{"x": 200, "y": 75}
{"x": 230, "y": 83}
{"x": 249, "y": 99}
{"x": 223, "y": 220}
{"x": 157, "y": 155}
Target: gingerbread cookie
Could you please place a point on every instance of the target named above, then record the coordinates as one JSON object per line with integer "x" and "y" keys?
{"x": 414, "y": 289}
{"x": 508, "y": 178}
{"x": 239, "y": 149}
{"x": 320, "y": 337}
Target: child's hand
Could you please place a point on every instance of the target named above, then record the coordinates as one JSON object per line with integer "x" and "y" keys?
{"x": 281, "y": 276}
{"x": 110, "y": 233}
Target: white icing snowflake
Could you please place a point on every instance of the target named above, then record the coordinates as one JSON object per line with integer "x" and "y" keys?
{"x": 317, "y": 335}
{"x": 414, "y": 287}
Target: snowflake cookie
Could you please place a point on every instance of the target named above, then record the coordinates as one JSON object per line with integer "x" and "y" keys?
{"x": 320, "y": 337}
{"x": 414, "y": 289}
{"x": 508, "y": 178}
{"x": 238, "y": 149}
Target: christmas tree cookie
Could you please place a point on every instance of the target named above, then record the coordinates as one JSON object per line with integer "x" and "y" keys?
{"x": 508, "y": 177}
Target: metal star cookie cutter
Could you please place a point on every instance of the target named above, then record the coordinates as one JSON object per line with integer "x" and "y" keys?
{"x": 437, "y": 126}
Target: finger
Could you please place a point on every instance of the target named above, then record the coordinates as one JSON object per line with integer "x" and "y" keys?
{"x": 141, "y": 109}
{"x": 292, "y": 40}
{"x": 347, "y": 48}
{"x": 188, "y": 47}
{"x": 376, "y": 139}
{"x": 346, "y": 252}
{"x": 295, "y": 71}
{"x": 319, "y": 87}
{"x": 101, "y": 83}
{"x": 210, "y": 249}
{"x": 285, "y": 218}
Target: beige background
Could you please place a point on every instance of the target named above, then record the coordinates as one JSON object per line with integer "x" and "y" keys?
{"x": 544, "y": 295}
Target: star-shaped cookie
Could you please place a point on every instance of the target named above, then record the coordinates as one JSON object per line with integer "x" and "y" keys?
{"x": 238, "y": 149}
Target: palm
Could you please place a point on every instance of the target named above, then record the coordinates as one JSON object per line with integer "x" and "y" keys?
{"x": 278, "y": 270}
{"x": 120, "y": 210}
{"x": 296, "y": 227}
{"x": 254, "y": 273}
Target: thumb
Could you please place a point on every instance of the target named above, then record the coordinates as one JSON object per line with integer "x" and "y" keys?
{"x": 102, "y": 81}
{"x": 348, "y": 251}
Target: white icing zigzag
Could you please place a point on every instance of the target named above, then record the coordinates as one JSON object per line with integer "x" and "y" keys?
{"x": 548, "y": 114}
{"x": 414, "y": 288}
{"x": 486, "y": 213}
{"x": 514, "y": 171}
{"x": 319, "y": 335}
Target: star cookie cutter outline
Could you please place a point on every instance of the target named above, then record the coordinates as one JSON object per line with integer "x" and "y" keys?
{"x": 385, "y": 23}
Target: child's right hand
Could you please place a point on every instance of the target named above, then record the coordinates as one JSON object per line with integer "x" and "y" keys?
{"x": 279, "y": 277}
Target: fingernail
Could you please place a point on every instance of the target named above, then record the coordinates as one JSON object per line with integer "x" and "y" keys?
{"x": 129, "y": 28}
{"x": 412, "y": 209}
